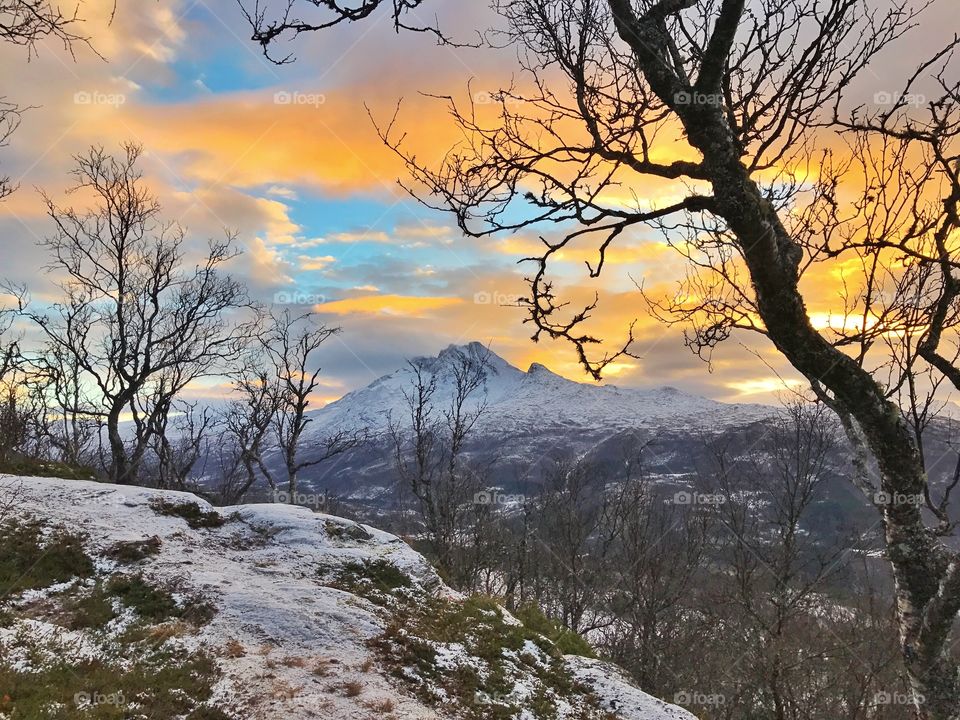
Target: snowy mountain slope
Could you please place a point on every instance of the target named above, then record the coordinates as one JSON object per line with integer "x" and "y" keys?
{"x": 529, "y": 417}
{"x": 293, "y": 624}
{"x": 537, "y": 398}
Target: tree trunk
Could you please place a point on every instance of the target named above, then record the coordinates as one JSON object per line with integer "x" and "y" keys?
{"x": 919, "y": 560}
{"x": 292, "y": 484}
{"x": 119, "y": 466}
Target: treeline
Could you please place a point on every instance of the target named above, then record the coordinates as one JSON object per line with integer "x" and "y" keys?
{"x": 96, "y": 380}
{"x": 716, "y": 596}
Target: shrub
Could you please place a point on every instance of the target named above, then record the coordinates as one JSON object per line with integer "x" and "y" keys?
{"x": 30, "y": 561}
{"x": 33, "y": 467}
{"x": 504, "y": 656}
{"x": 375, "y": 580}
{"x": 131, "y": 551}
{"x": 567, "y": 641}
{"x": 195, "y": 515}
{"x": 162, "y": 683}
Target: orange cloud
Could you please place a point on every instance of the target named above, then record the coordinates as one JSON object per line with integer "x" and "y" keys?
{"x": 406, "y": 305}
{"x": 250, "y": 139}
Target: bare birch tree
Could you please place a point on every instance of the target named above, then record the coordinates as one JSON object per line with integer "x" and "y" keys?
{"x": 744, "y": 91}
{"x": 137, "y": 319}
{"x": 429, "y": 444}
{"x": 291, "y": 345}
{"x": 753, "y": 100}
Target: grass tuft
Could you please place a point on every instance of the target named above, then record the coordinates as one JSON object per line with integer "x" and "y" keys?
{"x": 131, "y": 551}
{"x": 31, "y": 559}
{"x": 195, "y": 515}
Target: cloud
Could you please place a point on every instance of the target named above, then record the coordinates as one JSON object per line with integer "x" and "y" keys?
{"x": 278, "y": 154}
{"x": 406, "y": 305}
{"x": 356, "y": 236}
{"x": 314, "y": 262}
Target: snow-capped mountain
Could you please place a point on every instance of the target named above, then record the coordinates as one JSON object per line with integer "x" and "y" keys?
{"x": 536, "y": 400}
{"x": 529, "y": 417}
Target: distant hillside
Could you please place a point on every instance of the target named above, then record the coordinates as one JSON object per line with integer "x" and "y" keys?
{"x": 531, "y": 416}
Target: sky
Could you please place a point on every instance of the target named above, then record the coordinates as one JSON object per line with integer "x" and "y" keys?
{"x": 288, "y": 157}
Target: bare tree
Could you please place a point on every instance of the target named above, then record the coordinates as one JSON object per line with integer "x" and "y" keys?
{"x": 14, "y": 423}
{"x": 11, "y": 116}
{"x": 291, "y": 346}
{"x": 779, "y": 585}
{"x": 27, "y": 22}
{"x": 429, "y": 444}
{"x": 294, "y": 17}
{"x": 136, "y": 319}
{"x": 180, "y": 443}
{"x": 247, "y": 422}
{"x": 69, "y": 423}
{"x": 659, "y": 565}
{"x": 10, "y": 354}
{"x": 744, "y": 93}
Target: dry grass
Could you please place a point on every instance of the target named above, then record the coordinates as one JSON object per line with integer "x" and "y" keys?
{"x": 175, "y": 629}
{"x": 367, "y": 665}
{"x": 352, "y": 688}
{"x": 293, "y": 661}
{"x": 282, "y": 690}
{"x": 384, "y": 705}
{"x": 234, "y": 649}
{"x": 323, "y": 667}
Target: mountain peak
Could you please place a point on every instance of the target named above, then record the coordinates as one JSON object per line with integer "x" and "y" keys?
{"x": 471, "y": 349}
{"x": 541, "y": 371}
{"x": 478, "y": 351}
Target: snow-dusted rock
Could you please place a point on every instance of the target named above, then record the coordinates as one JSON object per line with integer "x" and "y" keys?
{"x": 619, "y": 694}
{"x": 265, "y": 570}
